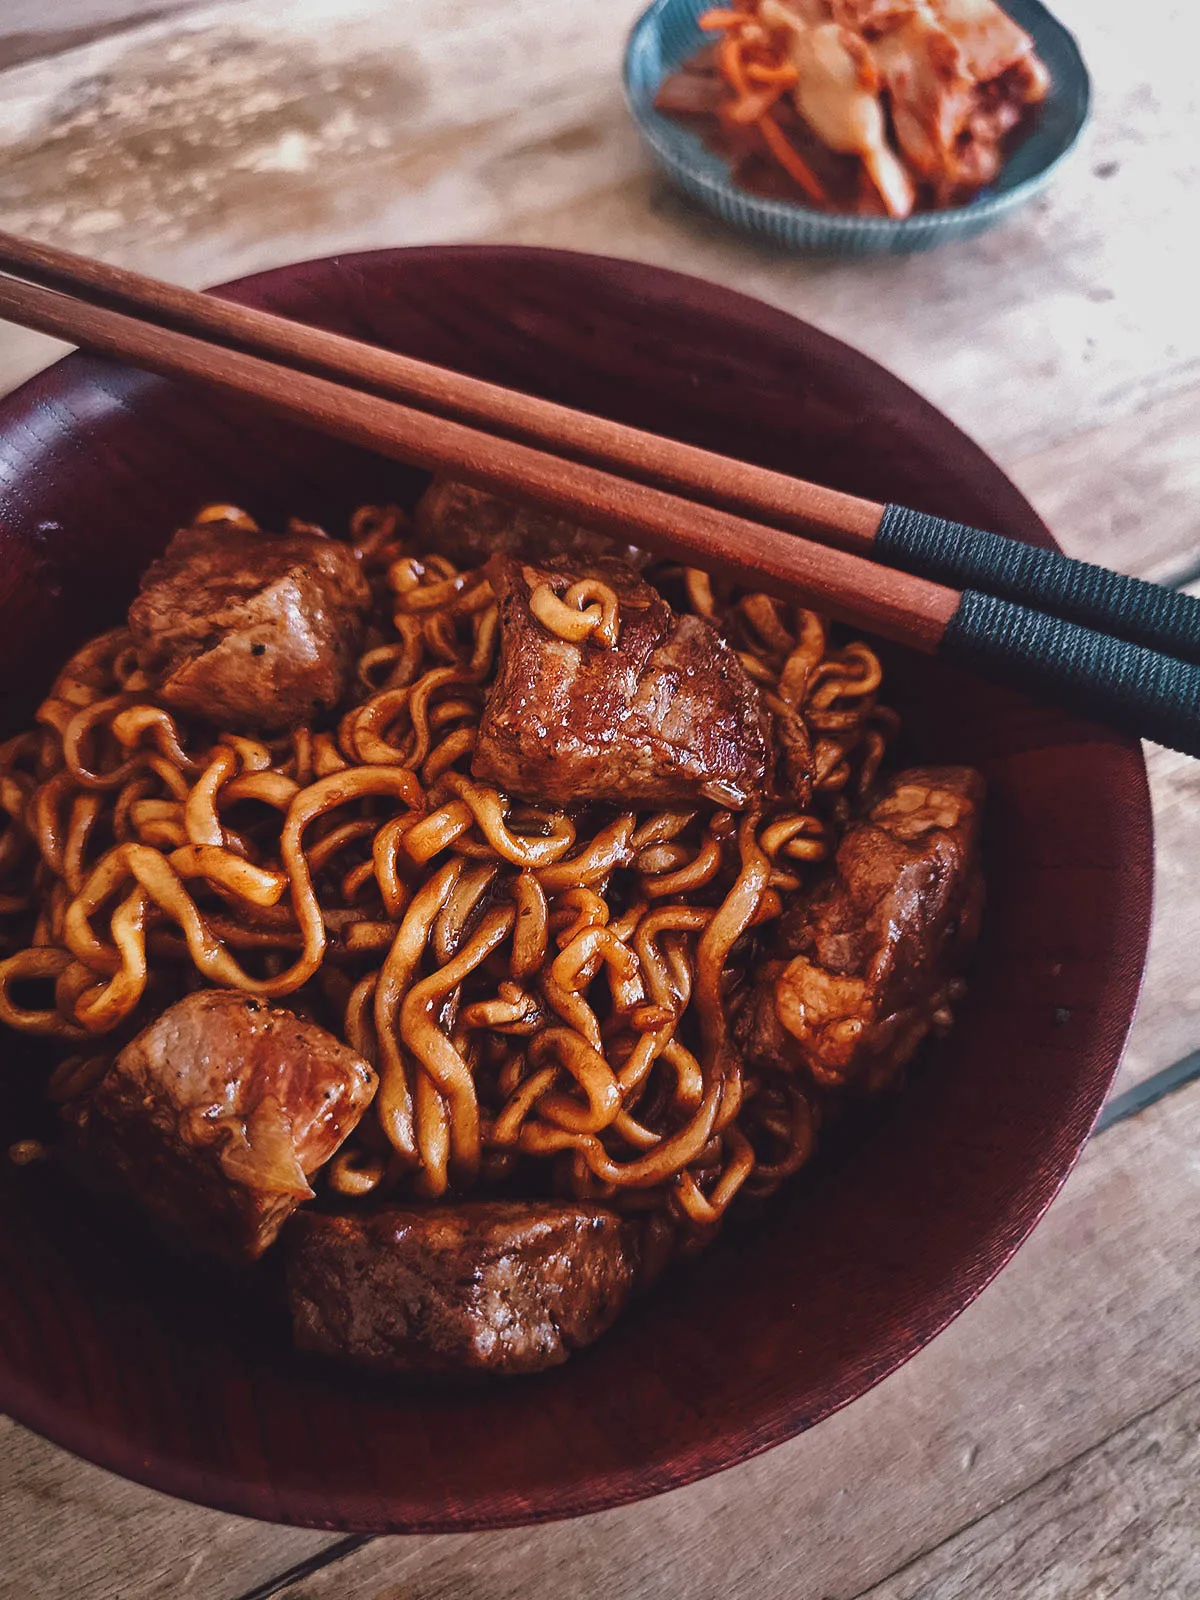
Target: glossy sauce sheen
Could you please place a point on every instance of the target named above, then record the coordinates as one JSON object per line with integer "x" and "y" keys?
{"x": 495, "y": 1286}
{"x": 213, "y": 1117}
{"x": 865, "y": 963}
{"x": 853, "y": 1269}
{"x": 668, "y": 714}
{"x": 251, "y": 631}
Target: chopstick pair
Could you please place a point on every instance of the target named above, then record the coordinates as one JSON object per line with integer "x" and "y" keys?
{"x": 1110, "y": 646}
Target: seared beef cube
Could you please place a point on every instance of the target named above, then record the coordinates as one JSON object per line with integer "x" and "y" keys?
{"x": 468, "y": 525}
{"x": 868, "y": 963}
{"x": 488, "y": 1286}
{"x": 666, "y": 714}
{"x": 215, "y": 1116}
{"x": 254, "y": 632}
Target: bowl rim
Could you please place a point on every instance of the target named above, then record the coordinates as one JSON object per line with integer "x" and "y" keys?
{"x": 843, "y": 226}
{"x": 775, "y": 1420}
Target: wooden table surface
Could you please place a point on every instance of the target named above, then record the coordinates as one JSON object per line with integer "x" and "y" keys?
{"x": 1047, "y": 1444}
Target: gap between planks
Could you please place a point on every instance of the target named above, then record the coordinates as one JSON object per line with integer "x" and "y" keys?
{"x": 831, "y": 304}
{"x": 1094, "y": 1321}
{"x": 1082, "y": 1530}
{"x": 1073, "y": 314}
{"x": 972, "y": 1423}
{"x": 1132, "y": 1103}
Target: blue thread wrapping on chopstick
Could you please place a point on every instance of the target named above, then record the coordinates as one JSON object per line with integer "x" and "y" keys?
{"x": 1140, "y": 691}
{"x": 950, "y": 552}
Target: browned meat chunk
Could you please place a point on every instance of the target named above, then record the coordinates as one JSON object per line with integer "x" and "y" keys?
{"x": 667, "y": 713}
{"x": 874, "y": 952}
{"x": 252, "y": 631}
{"x": 214, "y": 1117}
{"x": 468, "y": 525}
{"x": 489, "y": 1286}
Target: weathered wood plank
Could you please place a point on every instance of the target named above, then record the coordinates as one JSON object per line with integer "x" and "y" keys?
{"x": 1126, "y": 495}
{"x": 1121, "y": 1520}
{"x": 1022, "y": 335}
{"x": 251, "y": 133}
{"x": 276, "y": 134}
{"x": 69, "y": 1531}
{"x": 30, "y": 29}
{"x": 1095, "y": 1322}
{"x": 1168, "y": 1020}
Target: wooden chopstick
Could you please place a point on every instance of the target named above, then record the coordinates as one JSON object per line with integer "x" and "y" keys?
{"x": 896, "y": 605}
{"x": 946, "y": 552}
{"x": 717, "y": 480}
{"x": 1138, "y": 689}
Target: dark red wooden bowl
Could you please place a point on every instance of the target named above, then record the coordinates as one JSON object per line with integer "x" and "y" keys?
{"x": 132, "y": 1362}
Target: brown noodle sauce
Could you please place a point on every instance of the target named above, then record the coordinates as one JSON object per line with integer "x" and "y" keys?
{"x": 544, "y": 991}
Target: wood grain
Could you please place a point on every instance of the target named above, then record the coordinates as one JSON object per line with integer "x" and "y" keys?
{"x": 917, "y": 1211}
{"x": 1073, "y": 314}
{"x": 1168, "y": 1021}
{"x": 1120, "y": 1520}
{"x": 1068, "y": 340}
{"x": 1128, "y": 494}
{"x": 32, "y": 31}
{"x": 1096, "y": 1321}
{"x": 69, "y": 1531}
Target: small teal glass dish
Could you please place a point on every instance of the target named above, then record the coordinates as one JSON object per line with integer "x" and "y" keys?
{"x": 666, "y": 36}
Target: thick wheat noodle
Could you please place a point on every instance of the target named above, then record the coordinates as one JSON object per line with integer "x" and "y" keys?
{"x": 801, "y": 837}
{"x": 322, "y": 851}
{"x": 531, "y": 930}
{"x": 570, "y": 972}
{"x": 654, "y": 968}
{"x": 611, "y": 848}
{"x": 359, "y": 1018}
{"x": 365, "y": 937}
{"x": 660, "y": 828}
{"x": 577, "y": 909}
{"x": 354, "y": 1172}
{"x": 457, "y": 744}
{"x": 270, "y": 788}
{"x": 488, "y": 809}
{"x": 393, "y": 1098}
{"x": 46, "y": 819}
{"x": 514, "y": 1010}
{"x": 587, "y": 611}
{"x": 99, "y": 1009}
{"x": 532, "y": 983}
{"x": 29, "y": 965}
{"x": 437, "y": 1055}
{"x": 385, "y": 849}
{"x": 451, "y": 921}
{"x": 435, "y": 1137}
{"x": 326, "y": 760}
{"x": 656, "y": 860}
{"x": 77, "y": 731}
{"x": 700, "y": 593}
{"x": 86, "y": 810}
{"x": 507, "y": 1126}
{"x": 356, "y": 879}
{"x": 695, "y": 874}
{"x": 590, "y": 1071}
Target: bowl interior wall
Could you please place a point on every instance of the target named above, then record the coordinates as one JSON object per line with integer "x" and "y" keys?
{"x": 165, "y": 1374}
